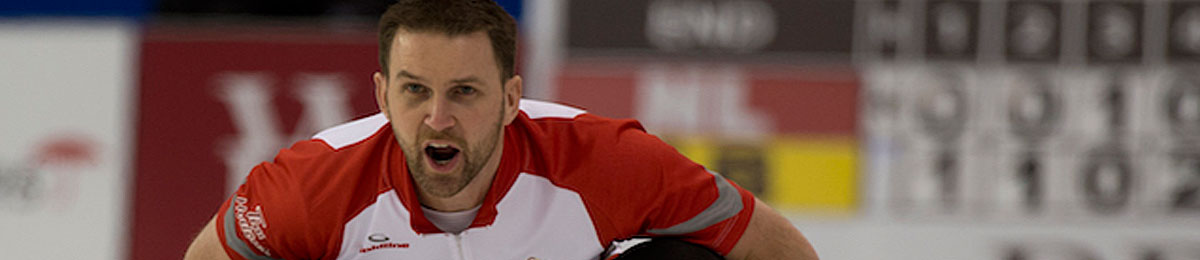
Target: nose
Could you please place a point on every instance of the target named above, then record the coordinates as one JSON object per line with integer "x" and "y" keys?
{"x": 441, "y": 116}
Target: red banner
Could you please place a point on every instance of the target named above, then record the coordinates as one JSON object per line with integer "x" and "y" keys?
{"x": 718, "y": 98}
{"x": 215, "y": 101}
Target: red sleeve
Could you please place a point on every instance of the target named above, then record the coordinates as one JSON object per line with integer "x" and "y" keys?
{"x": 696, "y": 204}
{"x": 644, "y": 187}
{"x": 266, "y": 217}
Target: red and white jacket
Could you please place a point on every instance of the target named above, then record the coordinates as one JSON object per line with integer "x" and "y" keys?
{"x": 569, "y": 184}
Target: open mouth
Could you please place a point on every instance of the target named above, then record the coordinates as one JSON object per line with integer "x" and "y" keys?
{"x": 441, "y": 154}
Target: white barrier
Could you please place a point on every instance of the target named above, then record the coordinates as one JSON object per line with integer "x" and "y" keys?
{"x": 64, "y": 137}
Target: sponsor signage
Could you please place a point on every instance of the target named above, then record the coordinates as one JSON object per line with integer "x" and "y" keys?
{"x": 214, "y": 102}
{"x": 773, "y": 129}
{"x": 755, "y": 28}
{"x": 64, "y": 150}
{"x": 748, "y": 100}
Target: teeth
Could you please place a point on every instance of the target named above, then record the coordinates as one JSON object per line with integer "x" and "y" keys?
{"x": 438, "y": 150}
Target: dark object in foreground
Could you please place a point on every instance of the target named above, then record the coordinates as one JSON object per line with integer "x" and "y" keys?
{"x": 660, "y": 249}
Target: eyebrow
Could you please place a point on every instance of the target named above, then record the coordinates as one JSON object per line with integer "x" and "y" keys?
{"x": 406, "y": 74}
{"x": 468, "y": 79}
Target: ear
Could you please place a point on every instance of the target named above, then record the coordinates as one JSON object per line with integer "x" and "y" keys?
{"x": 512, "y": 98}
{"x": 381, "y": 93}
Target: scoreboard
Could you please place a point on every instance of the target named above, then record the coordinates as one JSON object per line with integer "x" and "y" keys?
{"x": 1051, "y": 142}
{"x": 1034, "y": 129}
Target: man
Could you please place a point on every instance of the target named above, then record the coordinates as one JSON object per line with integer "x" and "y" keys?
{"x": 458, "y": 166}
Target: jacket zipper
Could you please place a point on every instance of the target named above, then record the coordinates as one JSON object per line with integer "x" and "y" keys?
{"x": 458, "y": 243}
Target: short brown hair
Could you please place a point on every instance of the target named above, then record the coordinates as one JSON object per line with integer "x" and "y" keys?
{"x": 452, "y": 17}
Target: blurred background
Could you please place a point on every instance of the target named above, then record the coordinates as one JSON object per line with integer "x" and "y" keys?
{"x": 884, "y": 129}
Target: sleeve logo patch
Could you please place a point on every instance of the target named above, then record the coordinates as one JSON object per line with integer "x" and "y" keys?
{"x": 251, "y": 223}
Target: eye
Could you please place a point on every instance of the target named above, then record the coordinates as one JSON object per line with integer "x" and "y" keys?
{"x": 415, "y": 88}
{"x": 465, "y": 90}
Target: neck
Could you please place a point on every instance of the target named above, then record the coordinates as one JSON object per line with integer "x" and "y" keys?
{"x": 472, "y": 195}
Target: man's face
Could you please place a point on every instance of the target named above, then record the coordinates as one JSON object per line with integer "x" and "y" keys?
{"x": 444, "y": 99}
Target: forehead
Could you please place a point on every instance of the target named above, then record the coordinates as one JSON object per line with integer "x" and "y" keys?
{"x": 443, "y": 55}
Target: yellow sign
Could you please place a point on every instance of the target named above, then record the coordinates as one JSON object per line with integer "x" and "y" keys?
{"x": 793, "y": 173}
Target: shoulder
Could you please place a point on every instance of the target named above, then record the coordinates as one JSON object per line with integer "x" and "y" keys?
{"x": 631, "y": 181}
{"x": 353, "y": 132}
{"x": 572, "y": 147}
{"x": 536, "y": 109}
{"x": 344, "y": 159}
{"x": 563, "y": 125}
{"x": 308, "y": 190}
{"x": 335, "y": 151}
{"x": 336, "y": 166}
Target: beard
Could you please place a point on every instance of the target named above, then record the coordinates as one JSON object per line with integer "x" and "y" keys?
{"x": 475, "y": 156}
